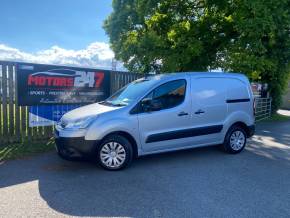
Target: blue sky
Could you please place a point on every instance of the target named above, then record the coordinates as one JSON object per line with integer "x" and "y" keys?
{"x": 35, "y": 25}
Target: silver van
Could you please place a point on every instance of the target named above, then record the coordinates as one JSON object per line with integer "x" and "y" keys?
{"x": 160, "y": 113}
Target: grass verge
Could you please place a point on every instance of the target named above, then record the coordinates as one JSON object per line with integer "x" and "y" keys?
{"x": 276, "y": 117}
{"x": 26, "y": 149}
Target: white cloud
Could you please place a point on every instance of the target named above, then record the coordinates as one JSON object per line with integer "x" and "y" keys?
{"x": 96, "y": 55}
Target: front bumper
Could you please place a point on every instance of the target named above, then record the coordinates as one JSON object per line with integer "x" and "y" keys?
{"x": 75, "y": 146}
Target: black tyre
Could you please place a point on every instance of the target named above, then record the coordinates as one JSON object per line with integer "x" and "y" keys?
{"x": 235, "y": 140}
{"x": 115, "y": 152}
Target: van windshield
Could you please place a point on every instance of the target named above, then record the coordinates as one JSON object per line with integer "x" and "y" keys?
{"x": 129, "y": 93}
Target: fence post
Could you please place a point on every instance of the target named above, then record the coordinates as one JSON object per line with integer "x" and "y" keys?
{"x": 1, "y": 133}
{"x": 112, "y": 78}
{"x": 4, "y": 102}
{"x": 11, "y": 101}
{"x": 270, "y": 111}
{"x": 17, "y": 108}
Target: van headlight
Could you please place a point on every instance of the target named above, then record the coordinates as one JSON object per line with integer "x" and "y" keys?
{"x": 80, "y": 123}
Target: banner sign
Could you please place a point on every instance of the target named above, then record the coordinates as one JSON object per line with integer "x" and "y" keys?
{"x": 47, "y": 115}
{"x": 49, "y": 85}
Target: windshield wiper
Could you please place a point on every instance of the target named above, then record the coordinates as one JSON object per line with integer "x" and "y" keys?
{"x": 113, "y": 104}
{"x": 119, "y": 104}
{"x": 105, "y": 103}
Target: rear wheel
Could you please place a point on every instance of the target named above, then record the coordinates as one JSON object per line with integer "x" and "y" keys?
{"x": 115, "y": 153}
{"x": 235, "y": 140}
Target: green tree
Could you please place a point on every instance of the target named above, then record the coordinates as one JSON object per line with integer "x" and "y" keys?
{"x": 249, "y": 36}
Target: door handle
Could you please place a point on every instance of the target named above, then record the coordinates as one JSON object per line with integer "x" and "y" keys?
{"x": 182, "y": 113}
{"x": 199, "y": 112}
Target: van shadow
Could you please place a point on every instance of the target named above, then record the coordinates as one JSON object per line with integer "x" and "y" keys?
{"x": 273, "y": 139}
{"x": 179, "y": 184}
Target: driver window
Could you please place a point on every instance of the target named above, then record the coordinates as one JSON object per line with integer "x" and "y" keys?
{"x": 169, "y": 94}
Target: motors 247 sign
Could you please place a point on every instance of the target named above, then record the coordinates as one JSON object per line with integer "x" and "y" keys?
{"x": 46, "y": 84}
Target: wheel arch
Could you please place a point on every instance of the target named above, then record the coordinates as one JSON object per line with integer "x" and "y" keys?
{"x": 129, "y": 137}
{"x": 243, "y": 126}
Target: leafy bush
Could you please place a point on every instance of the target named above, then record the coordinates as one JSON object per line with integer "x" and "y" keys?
{"x": 249, "y": 36}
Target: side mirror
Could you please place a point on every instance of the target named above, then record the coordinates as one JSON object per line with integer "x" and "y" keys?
{"x": 145, "y": 104}
{"x": 151, "y": 105}
{"x": 156, "y": 105}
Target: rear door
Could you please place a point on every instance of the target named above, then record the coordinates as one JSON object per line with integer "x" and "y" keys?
{"x": 209, "y": 109}
{"x": 162, "y": 130}
{"x": 239, "y": 97}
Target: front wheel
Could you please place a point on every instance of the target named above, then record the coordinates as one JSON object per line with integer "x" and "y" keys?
{"x": 235, "y": 140}
{"x": 115, "y": 153}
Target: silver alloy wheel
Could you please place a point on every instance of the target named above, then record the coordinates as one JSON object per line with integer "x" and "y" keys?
{"x": 113, "y": 155}
{"x": 237, "y": 140}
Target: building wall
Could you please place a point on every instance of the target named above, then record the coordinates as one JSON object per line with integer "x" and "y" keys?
{"x": 286, "y": 99}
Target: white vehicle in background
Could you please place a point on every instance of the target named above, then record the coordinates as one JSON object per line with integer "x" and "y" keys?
{"x": 158, "y": 114}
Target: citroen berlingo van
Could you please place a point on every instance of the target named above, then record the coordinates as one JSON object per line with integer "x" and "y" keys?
{"x": 160, "y": 113}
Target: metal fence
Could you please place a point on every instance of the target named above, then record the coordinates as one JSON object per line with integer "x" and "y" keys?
{"x": 14, "y": 119}
{"x": 118, "y": 80}
{"x": 263, "y": 108}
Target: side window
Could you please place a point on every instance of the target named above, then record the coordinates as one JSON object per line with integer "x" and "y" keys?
{"x": 236, "y": 89}
{"x": 169, "y": 94}
{"x": 209, "y": 92}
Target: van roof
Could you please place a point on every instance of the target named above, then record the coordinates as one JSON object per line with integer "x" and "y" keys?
{"x": 197, "y": 74}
